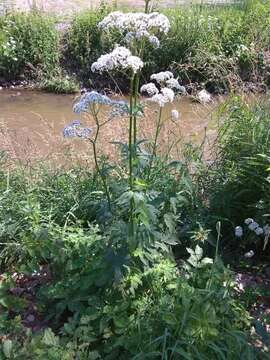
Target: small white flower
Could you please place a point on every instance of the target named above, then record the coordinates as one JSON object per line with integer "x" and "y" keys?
{"x": 248, "y": 221}
{"x": 159, "y": 99}
{"x": 119, "y": 58}
{"x": 238, "y": 231}
{"x": 154, "y": 41}
{"x": 175, "y": 115}
{"x": 173, "y": 84}
{"x": 249, "y": 254}
{"x": 259, "y": 231}
{"x": 252, "y": 226}
{"x": 204, "y": 97}
{"x": 154, "y": 23}
{"x": 162, "y": 77}
{"x": 149, "y": 89}
{"x": 168, "y": 94}
{"x": 135, "y": 63}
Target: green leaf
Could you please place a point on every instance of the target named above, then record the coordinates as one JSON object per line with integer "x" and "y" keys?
{"x": 49, "y": 338}
{"x": 170, "y": 223}
{"x": 7, "y": 348}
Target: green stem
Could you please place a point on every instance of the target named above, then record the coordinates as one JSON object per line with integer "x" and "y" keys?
{"x": 135, "y": 102}
{"x": 154, "y": 151}
{"x": 130, "y": 137}
{"x": 146, "y": 9}
{"x": 131, "y": 147}
{"x": 103, "y": 179}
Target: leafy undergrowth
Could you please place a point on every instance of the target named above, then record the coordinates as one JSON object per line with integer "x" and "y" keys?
{"x": 73, "y": 285}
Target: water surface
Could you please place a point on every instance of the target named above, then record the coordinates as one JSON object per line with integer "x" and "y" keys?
{"x": 31, "y": 125}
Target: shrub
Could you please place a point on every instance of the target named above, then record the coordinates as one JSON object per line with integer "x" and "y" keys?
{"x": 84, "y": 44}
{"x": 28, "y": 45}
{"x": 60, "y": 84}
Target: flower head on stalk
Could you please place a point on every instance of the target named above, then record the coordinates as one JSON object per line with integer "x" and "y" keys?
{"x": 84, "y": 104}
{"x": 153, "y": 23}
{"x": 119, "y": 59}
{"x": 150, "y": 89}
{"x": 162, "y": 97}
{"x": 88, "y": 99}
{"x": 136, "y": 36}
{"x": 75, "y": 129}
{"x": 162, "y": 77}
{"x": 238, "y": 231}
{"x": 175, "y": 115}
{"x": 168, "y": 86}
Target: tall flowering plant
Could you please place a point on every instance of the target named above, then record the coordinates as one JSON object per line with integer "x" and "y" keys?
{"x": 137, "y": 30}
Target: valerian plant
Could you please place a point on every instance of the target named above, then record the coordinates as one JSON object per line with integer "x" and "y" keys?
{"x": 137, "y": 202}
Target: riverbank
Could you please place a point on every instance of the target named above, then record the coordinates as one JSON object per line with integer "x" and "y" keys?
{"x": 217, "y": 48}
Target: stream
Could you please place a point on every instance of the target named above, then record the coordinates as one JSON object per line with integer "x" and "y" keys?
{"x": 31, "y": 124}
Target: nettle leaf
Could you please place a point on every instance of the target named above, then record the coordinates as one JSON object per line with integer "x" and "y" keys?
{"x": 49, "y": 338}
{"x": 173, "y": 203}
{"x": 170, "y": 239}
{"x": 170, "y": 222}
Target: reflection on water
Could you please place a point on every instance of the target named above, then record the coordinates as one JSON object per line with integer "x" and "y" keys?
{"x": 31, "y": 126}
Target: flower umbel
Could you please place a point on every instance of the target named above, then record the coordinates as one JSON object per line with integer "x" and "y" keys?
{"x": 75, "y": 129}
{"x": 89, "y": 98}
{"x": 119, "y": 59}
{"x": 153, "y": 23}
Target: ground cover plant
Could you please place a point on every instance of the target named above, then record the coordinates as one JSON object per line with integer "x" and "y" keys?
{"x": 124, "y": 260}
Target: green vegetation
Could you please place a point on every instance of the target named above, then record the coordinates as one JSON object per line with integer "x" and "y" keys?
{"x": 28, "y": 46}
{"x": 135, "y": 258}
{"x": 104, "y": 299}
{"x": 59, "y": 84}
{"x": 218, "y": 47}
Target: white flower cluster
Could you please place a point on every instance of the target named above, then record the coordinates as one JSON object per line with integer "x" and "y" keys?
{"x": 142, "y": 34}
{"x": 162, "y": 77}
{"x": 119, "y": 59}
{"x": 125, "y": 22}
{"x": 166, "y": 78}
{"x": 168, "y": 84}
{"x": 254, "y": 226}
{"x": 163, "y": 97}
{"x": 150, "y": 89}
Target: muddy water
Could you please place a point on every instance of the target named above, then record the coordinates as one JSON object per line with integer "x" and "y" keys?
{"x": 31, "y": 126}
